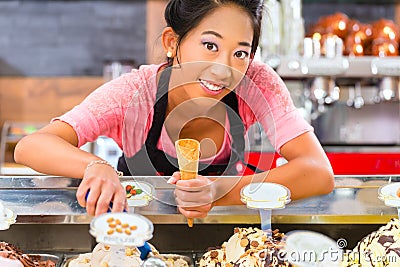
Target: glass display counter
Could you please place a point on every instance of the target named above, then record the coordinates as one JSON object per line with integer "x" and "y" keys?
{"x": 50, "y": 219}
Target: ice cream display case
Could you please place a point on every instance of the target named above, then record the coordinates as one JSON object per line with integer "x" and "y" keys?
{"x": 49, "y": 219}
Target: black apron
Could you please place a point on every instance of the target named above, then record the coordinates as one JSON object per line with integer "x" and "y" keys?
{"x": 151, "y": 161}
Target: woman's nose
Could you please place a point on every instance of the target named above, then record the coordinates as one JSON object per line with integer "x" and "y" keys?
{"x": 221, "y": 71}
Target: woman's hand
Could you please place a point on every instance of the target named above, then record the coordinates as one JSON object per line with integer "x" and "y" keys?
{"x": 194, "y": 197}
{"x": 105, "y": 187}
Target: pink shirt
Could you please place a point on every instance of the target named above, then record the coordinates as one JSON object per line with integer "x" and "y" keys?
{"x": 263, "y": 98}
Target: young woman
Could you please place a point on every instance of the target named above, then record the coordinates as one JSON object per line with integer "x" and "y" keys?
{"x": 210, "y": 89}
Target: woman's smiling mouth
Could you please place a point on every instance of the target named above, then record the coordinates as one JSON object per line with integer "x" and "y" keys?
{"x": 211, "y": 88}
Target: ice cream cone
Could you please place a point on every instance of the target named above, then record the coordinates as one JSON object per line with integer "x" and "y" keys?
{"x": 188, "y": 151}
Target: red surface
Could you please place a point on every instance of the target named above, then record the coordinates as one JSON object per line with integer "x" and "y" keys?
{"x": 342, "y": 163}
{"x": 365, "y": 163}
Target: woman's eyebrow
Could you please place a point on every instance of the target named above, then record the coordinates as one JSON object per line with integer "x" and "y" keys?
{"x": 220, "y": 36}
{"x": 213, "y": 33}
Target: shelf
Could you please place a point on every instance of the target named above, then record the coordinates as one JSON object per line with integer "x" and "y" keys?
{"x": 345, "y": 67}
{"x": 17, "y": 169}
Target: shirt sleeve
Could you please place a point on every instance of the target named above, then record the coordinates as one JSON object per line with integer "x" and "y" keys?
{"x": 119, "y": 109}
{"x": 264, "y": 98}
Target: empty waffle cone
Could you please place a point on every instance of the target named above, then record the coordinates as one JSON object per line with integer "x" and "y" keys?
{"x": 188, "y": 152}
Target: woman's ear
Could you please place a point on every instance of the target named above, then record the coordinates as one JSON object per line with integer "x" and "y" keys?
{"x": 169, "y": 41}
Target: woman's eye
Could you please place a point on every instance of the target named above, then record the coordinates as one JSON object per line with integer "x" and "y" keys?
{"x": 241, "y": 54}
{"x": 210, "y": 46}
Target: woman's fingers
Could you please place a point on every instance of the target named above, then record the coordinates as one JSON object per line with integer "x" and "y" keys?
{"x": 119, "y": 202}
{"x": 81, "y": 193}
{"x": 103, "y": 202}
{"x": 92, "y": 199}
{"x": 176, "y": 176}
{"x": 193, "y": 213}
{"x": 195, "y": 185}
{"x": 194, "y": 197}
{"x": 199, "y": 191}
{"x": 190, "y": 199}
{"x": 105, "y": 190}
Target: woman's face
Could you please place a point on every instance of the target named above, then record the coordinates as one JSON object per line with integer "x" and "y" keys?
{"x": 215, "y": 55}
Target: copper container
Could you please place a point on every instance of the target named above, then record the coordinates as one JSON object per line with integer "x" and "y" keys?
{"x": 387, "y": 29}
{"x": 359, "y": 39}
{"x": 382, "y": 47}
{"x": 337, "y": 24}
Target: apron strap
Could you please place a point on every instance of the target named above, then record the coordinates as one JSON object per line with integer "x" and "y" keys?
{"x": 237, "y": 129}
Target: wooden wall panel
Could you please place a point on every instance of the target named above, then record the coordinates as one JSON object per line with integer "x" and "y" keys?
{"x": 37, "y": 99}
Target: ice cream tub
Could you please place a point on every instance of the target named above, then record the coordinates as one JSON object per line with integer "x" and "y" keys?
{"x": 67, "y": 259}
{"x": 40, "y": 257}
{"x": 312, "y": 249}
{"x": 265, "y": 196}
{"x": 121, "y": 229}
{"x": 138, "y": 194}
{"x": 7, "y": 217}
{"x": 389, "y": 194}
{"x": 177, "y": 260}
{"x": 171, "y": 260}
{"x": 19, "y": 259}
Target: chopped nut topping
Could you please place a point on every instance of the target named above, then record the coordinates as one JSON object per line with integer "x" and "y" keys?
{"x": 254, "y": 243}
{"x": 119, "y": 227}
{"x": 110, "y": 231}
{"x": 214, "y": 254}
{"x": 128, "y": 251}
{"x": 244, "y": 242}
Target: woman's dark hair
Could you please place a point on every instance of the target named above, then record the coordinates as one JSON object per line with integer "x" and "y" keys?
{"x": 184, "y": 15}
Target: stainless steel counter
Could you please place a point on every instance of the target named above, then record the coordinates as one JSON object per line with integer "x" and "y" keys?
{"x": 44, "y": 199}
{"x": 49, "y": 218}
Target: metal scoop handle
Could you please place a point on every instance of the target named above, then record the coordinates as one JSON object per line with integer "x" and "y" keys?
{"x": 109, "y": 205}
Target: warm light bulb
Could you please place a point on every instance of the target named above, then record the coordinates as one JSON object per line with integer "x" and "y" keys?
{"x": 316, "y": 36}
{"x": 392, "y": 49}
{"x": 342, "y": 25}
{"x": 387, "y": 30}
{"x": 359, "y": 49}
